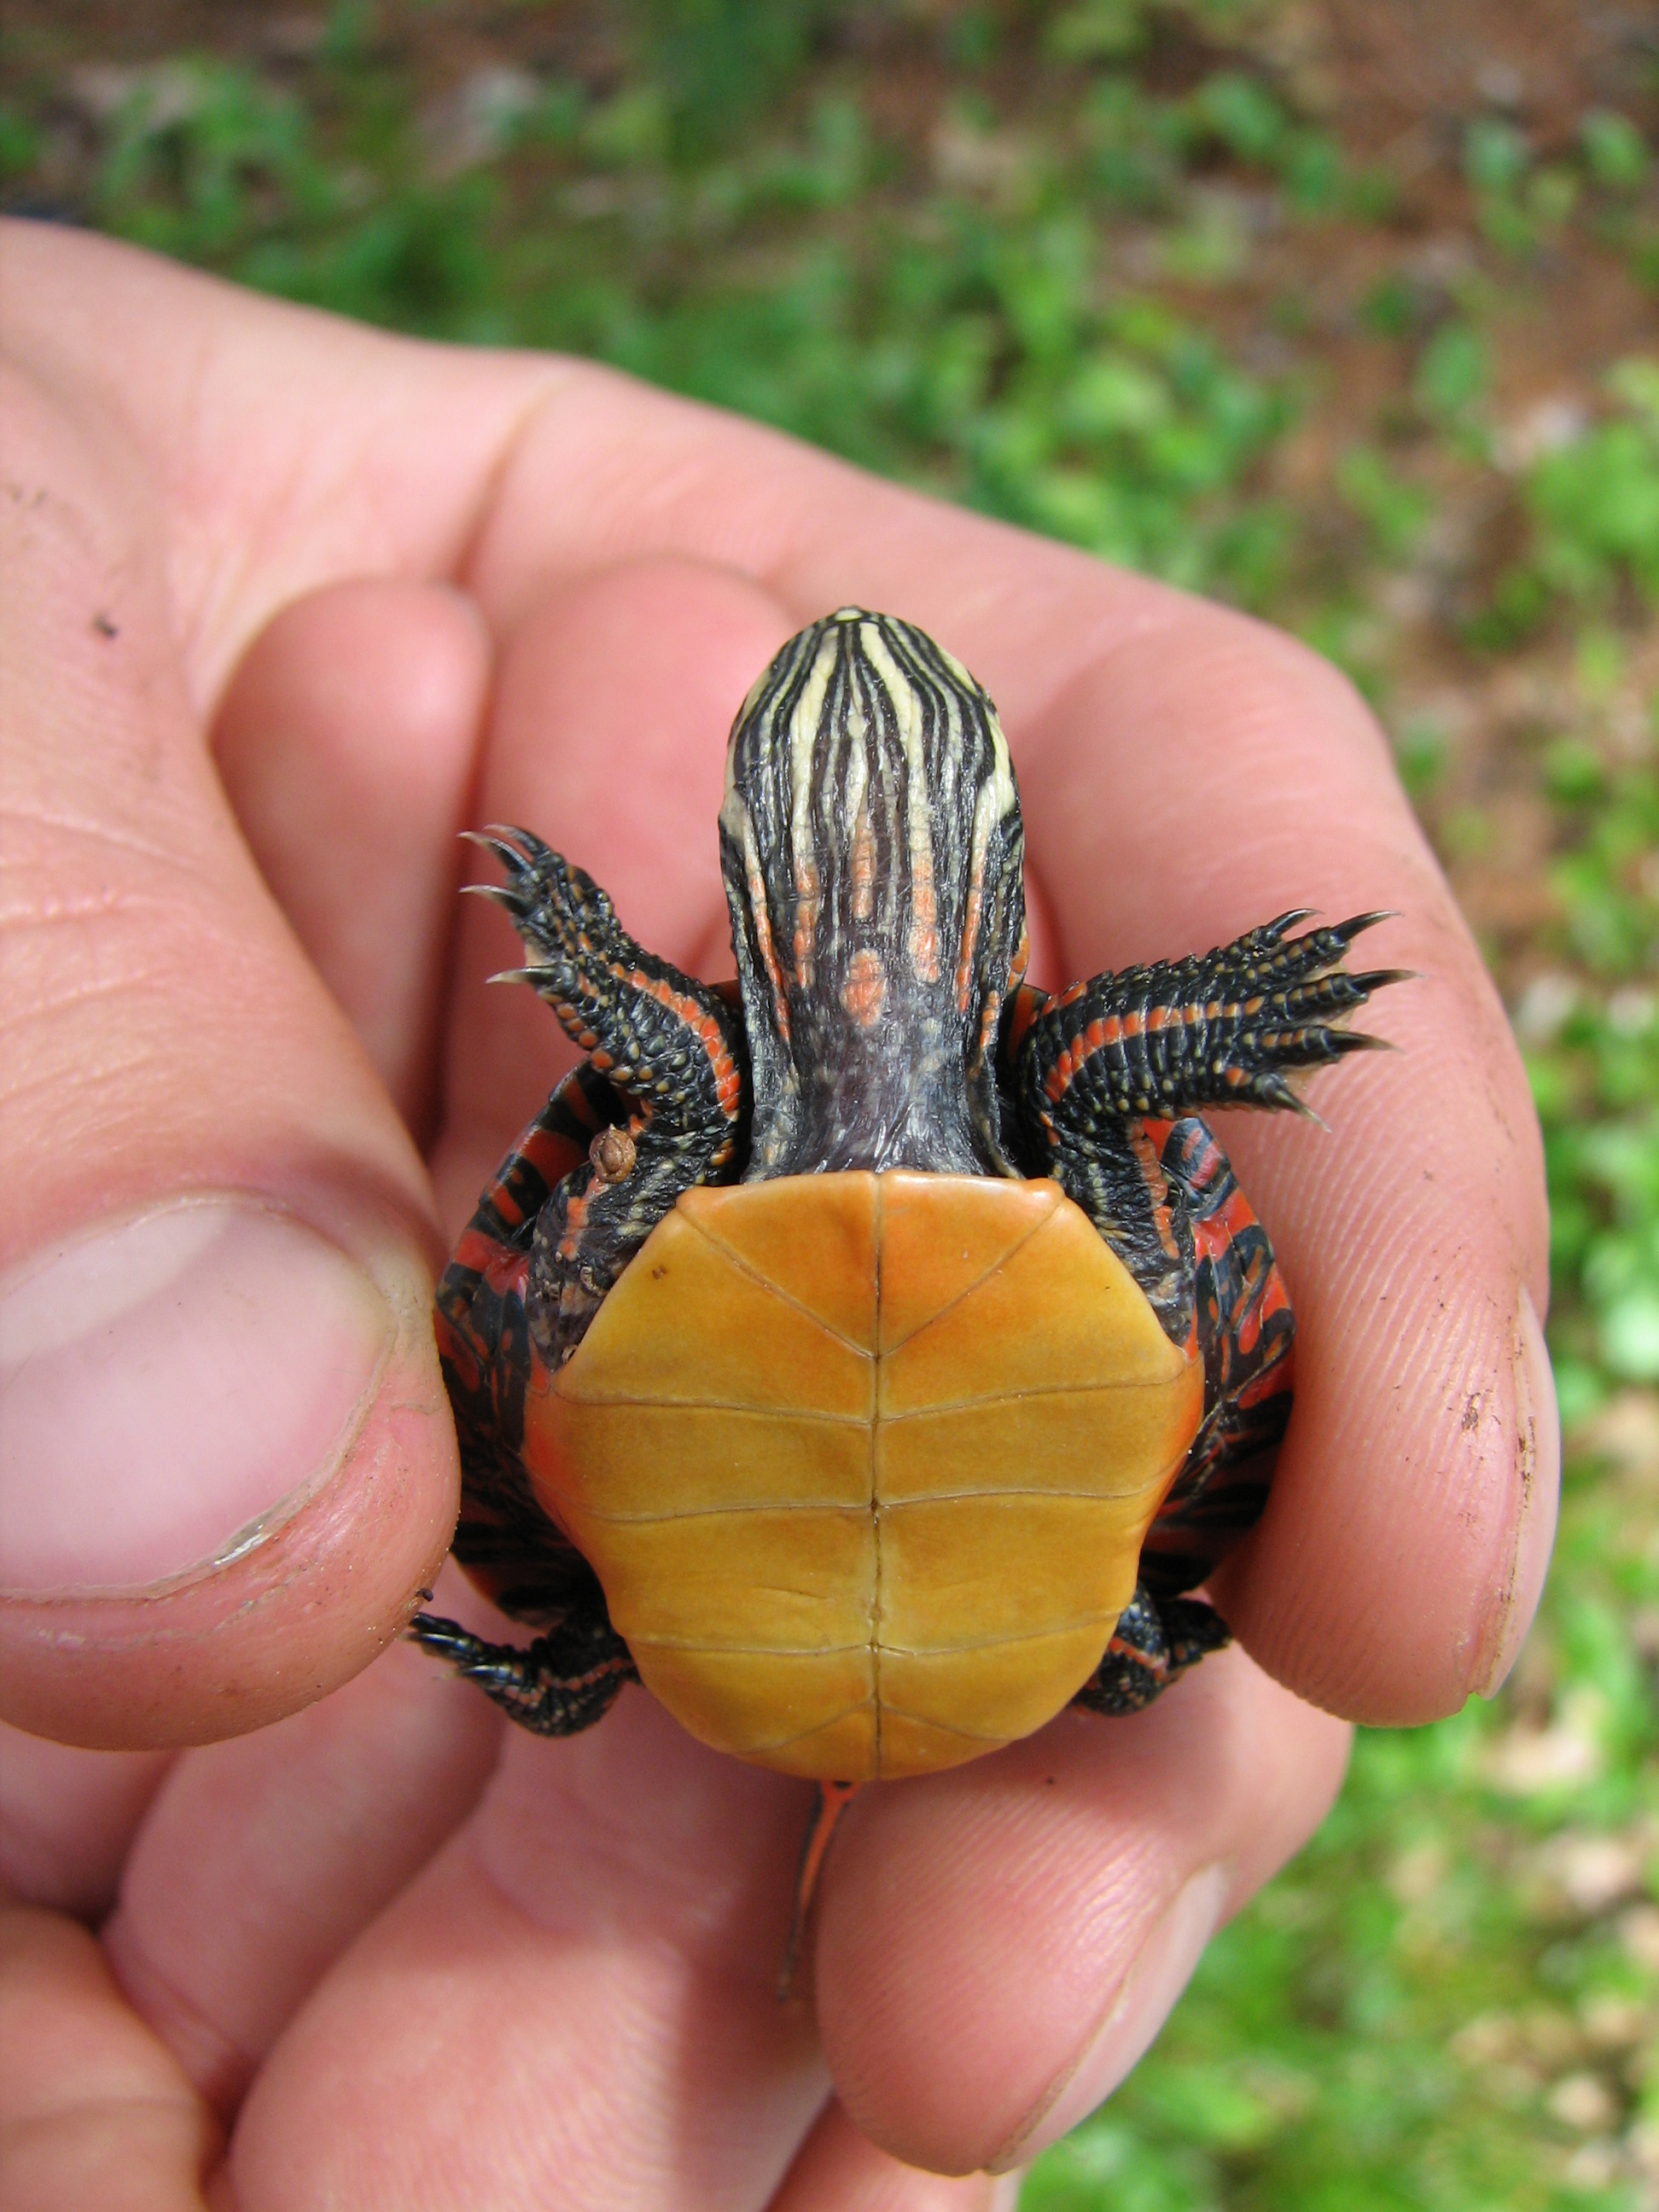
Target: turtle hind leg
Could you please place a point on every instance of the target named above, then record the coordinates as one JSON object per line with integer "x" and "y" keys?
{"x": 557, "y": 1686}
{"x": 1155, "y": 1640}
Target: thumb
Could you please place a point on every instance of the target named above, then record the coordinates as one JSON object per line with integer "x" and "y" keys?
{"x": 226, "y": 1459}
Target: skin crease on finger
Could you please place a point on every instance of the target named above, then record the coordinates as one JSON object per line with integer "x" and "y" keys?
{"x": 838, "y": 2170}
{"x": 93, "y": 2110}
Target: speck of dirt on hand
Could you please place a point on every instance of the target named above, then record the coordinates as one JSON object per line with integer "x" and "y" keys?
{"x": 104, "y": 626}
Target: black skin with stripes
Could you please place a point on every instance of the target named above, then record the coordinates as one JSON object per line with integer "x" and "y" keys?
{"x": 961, "y": 1068}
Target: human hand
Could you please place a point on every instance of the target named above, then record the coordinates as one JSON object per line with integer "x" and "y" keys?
{"x": 396, "y": 1956}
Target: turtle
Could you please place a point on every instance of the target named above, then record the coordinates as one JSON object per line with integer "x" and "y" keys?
{"x": 875, "y": 1354}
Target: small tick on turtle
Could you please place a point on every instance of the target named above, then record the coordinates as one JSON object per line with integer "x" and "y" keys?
{"x": 955, "y": 1364}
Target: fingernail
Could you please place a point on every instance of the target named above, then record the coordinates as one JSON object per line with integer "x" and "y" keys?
{"x": 172, "y": 1389}
{"x": 1161, "y": 1970}
{"x": 1538, "y": 1484}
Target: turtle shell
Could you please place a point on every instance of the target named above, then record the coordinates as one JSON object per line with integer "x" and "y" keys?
{"x": 864, "y": 1462}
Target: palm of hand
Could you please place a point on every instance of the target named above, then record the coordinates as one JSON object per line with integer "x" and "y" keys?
{"x": 413, "y": 1961}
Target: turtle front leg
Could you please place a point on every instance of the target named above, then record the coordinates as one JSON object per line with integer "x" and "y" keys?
{"x": 557, "y": 1686}
{"x": 1155, "y": 1640}
{"x": 669, "y": 1047}
{"x": 672, "y": 1047}
{"x": 1228, "y": 1028}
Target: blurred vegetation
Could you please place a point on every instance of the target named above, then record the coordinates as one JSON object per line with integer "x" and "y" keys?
{"x": 1134, "y": 273}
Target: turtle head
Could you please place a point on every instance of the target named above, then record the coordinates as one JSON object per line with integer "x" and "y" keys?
{"x": 873, "y": 855}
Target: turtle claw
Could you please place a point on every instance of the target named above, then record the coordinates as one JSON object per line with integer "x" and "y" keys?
{"x": 539, "y": 979}
{"x": 1281, "y": 923}
{"x": 520, "y": 851}
{"x": 1348, "y": 931}
{"x": 511, "y": 901}
{"x": 1360, "y": 1041}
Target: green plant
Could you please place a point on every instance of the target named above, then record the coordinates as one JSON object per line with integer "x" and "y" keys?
{"x": 1594, "y": 504}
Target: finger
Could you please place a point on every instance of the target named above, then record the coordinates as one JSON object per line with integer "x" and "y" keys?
{"x": 262, "y": 1858}
{"x": 67, "y": 1818}
{"x": 93, "y": 2109}
{"x": 346, "y": 742}
{"x": 1227, "y": 781}
{"x": 225, "y": 1461}
{"x": 574, "y": 2004}
{"x": 998, "y": 1944}
{"x": 839, "y": 2170}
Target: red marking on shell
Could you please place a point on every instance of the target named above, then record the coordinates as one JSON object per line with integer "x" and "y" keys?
{"x": 476, "y": 1247}
{"x": 864, "y": 992}
{"x": 463, "y": 1356}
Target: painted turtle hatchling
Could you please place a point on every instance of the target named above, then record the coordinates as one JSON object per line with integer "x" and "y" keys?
{"x": 870, "y": 1356}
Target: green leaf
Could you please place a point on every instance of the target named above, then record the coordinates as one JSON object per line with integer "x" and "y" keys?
{"x": 1453, "y": 371}
{"x": 1616, "y": 152}
{"x": 1495, "y": 156}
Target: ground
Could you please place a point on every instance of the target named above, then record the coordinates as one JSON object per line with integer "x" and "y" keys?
{"x": 1345, "y": 310}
